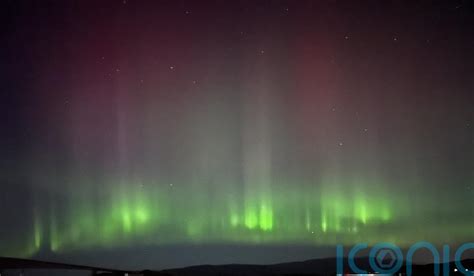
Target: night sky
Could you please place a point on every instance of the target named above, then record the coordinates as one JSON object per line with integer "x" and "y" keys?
{"x": 184, "y": 132}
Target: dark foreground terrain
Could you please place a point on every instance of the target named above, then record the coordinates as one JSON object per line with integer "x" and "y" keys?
{"x": 14, "y": 266}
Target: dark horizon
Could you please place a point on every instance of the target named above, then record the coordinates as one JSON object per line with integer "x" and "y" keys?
{"x": 324, "y": 266}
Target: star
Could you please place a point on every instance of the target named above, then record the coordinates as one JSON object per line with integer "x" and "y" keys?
{"x": 341, "y": 144}
{"x": 171, "y": 67}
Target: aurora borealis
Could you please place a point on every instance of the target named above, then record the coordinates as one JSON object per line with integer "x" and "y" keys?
{"x": 151, "y": 123}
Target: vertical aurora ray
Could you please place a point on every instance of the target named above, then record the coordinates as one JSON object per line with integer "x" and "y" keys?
{"x": 257, "y": 151}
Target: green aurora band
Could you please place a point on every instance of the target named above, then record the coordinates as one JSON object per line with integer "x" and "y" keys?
{"x": 145, "y": 215}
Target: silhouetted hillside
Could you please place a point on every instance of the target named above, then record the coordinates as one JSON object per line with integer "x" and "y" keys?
{"x": 309, "y": 267}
